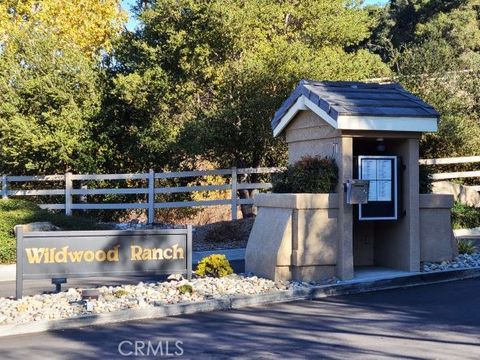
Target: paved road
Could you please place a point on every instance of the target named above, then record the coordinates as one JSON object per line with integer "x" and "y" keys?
{"x": 429, "y": 322}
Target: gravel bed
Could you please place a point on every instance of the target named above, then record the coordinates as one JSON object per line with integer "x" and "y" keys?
{"x": 70, "y": 304}
{"x": 462, "y": 261}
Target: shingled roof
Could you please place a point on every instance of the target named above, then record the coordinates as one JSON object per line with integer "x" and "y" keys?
{"x": 344, "y": 98}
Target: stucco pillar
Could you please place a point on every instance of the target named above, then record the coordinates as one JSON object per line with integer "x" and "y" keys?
{"x": 344, "y": 159}
{"x": 412, "y": 189}
{"x": 398, "y": 242}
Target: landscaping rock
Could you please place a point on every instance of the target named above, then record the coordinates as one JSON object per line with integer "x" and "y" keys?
{"x": 462, "y": 261}
{"x": 143, "y": 295}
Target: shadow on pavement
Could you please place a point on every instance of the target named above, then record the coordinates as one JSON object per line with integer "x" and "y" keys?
{"x": 435, "y": 321}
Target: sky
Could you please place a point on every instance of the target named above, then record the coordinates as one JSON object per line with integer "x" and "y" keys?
{"x": 132, "y": 22}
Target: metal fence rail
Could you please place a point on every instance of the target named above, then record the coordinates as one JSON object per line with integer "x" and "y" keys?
{"x": 69, "y": 191}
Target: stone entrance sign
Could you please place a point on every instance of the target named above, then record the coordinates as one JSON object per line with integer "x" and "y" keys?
{"x": 68, "y": 254}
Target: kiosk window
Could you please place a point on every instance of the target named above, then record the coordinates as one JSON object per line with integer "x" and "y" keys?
{"x": 381, "y": 173}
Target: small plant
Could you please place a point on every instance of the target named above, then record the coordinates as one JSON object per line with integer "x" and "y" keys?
{"x": 22, "y": 307}
{"x": 185, "y": 289}
{"x": 311, "y": 174}
{"x": 465, "y": 217}
{"x": 215, "y": 265}
{"x": 467, "y": 247}
{"x": 120, "y": 293}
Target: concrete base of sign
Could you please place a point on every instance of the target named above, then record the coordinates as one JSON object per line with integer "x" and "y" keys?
{"x": 294, "y": 237}
{"x": 437, "y": 240}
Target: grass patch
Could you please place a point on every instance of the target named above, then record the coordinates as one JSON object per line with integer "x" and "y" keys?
{"x": 465, "y": 217}
{"x": 15, "y": 212}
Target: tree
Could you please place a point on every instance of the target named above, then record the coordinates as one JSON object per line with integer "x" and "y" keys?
{"x": 434, "y": 48}
{"x": 221, "y": 69}
{"x": 48, "y": 102}
{"x": 89, "y": 24}
{"x": 50, "y": 89}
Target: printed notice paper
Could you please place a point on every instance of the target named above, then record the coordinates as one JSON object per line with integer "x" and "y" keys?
{"x": 384, "y": 190}
{"x": 379, "y": 172}
{"x": 372, "y": 191}
{"x": 369, "y": 169}
{"x": 384, "y": 170}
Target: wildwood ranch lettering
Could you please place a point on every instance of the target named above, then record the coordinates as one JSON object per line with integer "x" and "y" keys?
{"x": 140, "y": 253}
{"x": 65, "y": 255}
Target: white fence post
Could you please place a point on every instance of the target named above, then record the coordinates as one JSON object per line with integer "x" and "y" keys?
{"x": 68, "y": 193}
{"x": 151, "y": 196}
{"x": 234, "y": 193}
{"x": 4, "y": 187}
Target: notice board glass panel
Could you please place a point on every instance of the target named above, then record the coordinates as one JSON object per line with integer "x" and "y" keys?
{"x": 381, "y": 172}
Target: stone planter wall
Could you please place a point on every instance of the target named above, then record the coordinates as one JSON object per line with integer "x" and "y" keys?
{"x": 436, "y": 235}
{"x": 294, "y": 237}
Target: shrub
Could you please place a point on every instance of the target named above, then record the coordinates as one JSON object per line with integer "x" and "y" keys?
{"x": 425, "y": 179}
{"x": 15, "y": 211}
{"x": 465, "y": 217}
{"x": 185, "y": 289}
{"x": 467, "y": 247}
{"x": 215, "y": 265}
{"x": 311, "y": 174}
{"x": 121, "y": 293}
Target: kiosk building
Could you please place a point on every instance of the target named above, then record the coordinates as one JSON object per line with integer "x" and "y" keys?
{"x": 373, "y": 133}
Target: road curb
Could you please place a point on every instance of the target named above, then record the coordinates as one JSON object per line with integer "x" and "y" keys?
{"x": 238, "y": 302}
{"x": 403, "y": 281}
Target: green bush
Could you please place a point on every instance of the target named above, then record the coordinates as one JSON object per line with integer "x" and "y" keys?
{"x": 121, "y": 293}
{"x": 15, "y": 212}
{"x": 466, "y": 247}
{"x": 185, "y": 289}
{"x": 311, "y": 174}
{"x": 425, "y": 179}
{"x": 215, "y": 265}
{"x": 465, "y": 217}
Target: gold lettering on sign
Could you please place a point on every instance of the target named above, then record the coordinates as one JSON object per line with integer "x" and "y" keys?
{"x": 177, "y": 252}
{"x": 64, "y": 255}
{"x": 112, "y": 255}
{"x": 35, "y": 255}
{"x": 138, "y": 253}
{"x": 100, "y": 255}
{"x": 75, "y": 256}
{"x": 88, "y": 256}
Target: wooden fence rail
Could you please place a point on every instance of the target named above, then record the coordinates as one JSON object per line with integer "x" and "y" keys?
{"x": 452, "y": 161}
{"x": 69, "y": 191}
{"x": 150, "y": 190}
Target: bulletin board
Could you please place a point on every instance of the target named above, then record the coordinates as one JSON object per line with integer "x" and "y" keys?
{"x": 381, "y": 172}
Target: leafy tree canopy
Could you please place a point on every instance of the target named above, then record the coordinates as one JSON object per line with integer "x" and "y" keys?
{"x": 50, "y": 87}
{"x": 89, "y": 24}
{"x": 433, "y": 46}
{"x": 218, "y": 70}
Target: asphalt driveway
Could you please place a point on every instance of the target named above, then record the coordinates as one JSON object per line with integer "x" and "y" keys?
{"x": 439, "y": 321}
